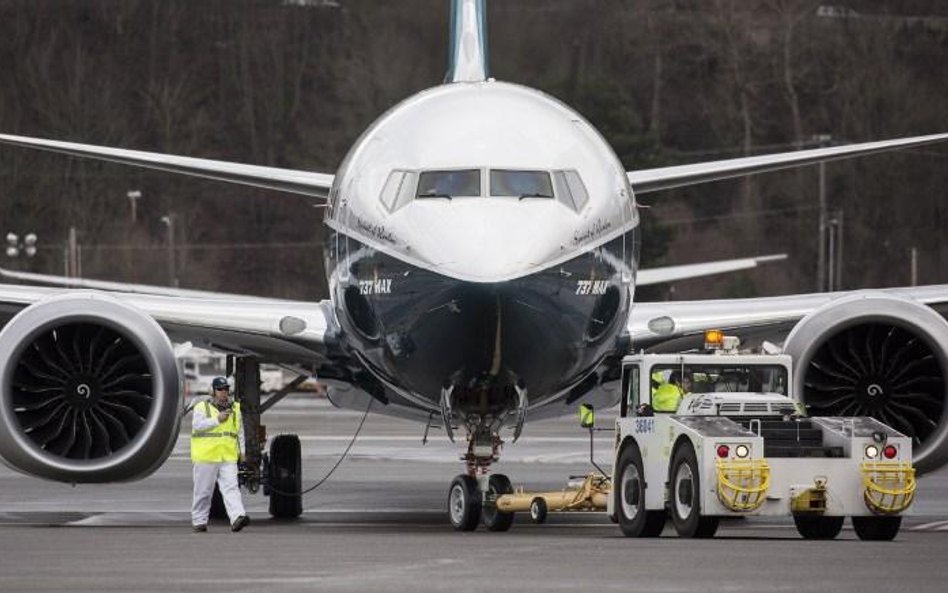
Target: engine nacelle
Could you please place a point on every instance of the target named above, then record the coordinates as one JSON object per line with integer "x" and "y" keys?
{"x": 89, "y": 390}
{"x": 881, "y": 355}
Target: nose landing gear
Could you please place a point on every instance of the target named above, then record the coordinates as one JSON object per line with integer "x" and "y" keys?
{"x": 472, "y": 496}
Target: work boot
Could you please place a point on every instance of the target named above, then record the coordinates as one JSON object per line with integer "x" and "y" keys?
{"x": 199, "y": 528}
{"x": 239, "y": 523}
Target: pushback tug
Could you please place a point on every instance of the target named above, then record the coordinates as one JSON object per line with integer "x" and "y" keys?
{"x": 737, "y": 445}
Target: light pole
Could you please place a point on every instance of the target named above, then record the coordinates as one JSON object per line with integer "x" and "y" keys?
{"x": 913, "y": 269}
{"x": 172, "y": 273}
{"x": 133, "y": 196}
{"x": 27, "y": 246}
{"x": 824, "y": 140}
{"x": 835, "y": 258}
{"x": 72, "y": 255}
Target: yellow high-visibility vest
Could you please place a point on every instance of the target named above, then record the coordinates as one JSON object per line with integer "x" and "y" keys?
{"x": 666, "y": 398}
{"x": 218, "y": 444}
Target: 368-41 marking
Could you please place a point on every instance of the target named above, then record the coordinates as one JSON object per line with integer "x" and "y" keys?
{"x": 644, "y": 425}
{"x": 595, "y": 287}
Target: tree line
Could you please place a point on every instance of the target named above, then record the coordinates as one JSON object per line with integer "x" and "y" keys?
{"x": 293, "y": 84}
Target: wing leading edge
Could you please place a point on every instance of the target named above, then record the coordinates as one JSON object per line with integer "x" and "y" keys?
{"x": 85, "y": 283}
{"x": 651, "y": 324}
{"x": 683, "y": 272}
{"x": 291, "y": 332}
{"x": 288, "y": 180}
{"x": 649, "y": 180}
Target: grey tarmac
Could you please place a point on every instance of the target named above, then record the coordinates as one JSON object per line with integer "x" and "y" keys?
{"x": 379, "y": 524}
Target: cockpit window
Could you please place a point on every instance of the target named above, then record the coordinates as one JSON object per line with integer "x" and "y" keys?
{"x": 398, "y": 189}
{"x": 570, "y": 189}
{"x": 449, "y": 184}
{"x": 520, "y": 184}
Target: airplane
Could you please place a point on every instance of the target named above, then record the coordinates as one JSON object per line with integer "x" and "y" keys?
{"x": 481, "y": 249}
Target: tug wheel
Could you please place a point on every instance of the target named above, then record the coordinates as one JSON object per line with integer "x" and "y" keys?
{"x": 629, "y": 494}
{"x": 538, "y": 510}
{"x": 877, "y": 528}
{"x": 494, "y": 519}
{"x": 818, "y": 527}
{"x": 685, "y": 483}
{"x": 464, "y": 503}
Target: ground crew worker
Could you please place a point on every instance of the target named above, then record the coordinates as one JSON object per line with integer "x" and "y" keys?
{"x": 217, "y": 444}
{"x": 668, "y": 395}
{"x": 658, "y": 378}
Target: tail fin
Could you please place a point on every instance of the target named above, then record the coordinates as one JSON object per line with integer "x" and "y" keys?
{"x": 467, "y": 54}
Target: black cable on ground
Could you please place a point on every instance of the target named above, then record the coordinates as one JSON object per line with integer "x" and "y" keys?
{"x": 334, "y": 467}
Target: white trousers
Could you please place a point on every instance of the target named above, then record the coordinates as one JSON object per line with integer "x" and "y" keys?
{"x": 225, "y": 476}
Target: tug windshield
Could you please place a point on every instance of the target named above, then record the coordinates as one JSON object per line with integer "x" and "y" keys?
{"x": 710, "y": 378}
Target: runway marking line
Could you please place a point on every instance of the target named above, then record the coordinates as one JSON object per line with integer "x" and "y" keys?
{"x": 933, "y": 526}
{"x": 405, "y": 438}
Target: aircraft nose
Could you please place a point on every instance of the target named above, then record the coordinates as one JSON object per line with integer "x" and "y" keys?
{"x": 505, "y": 240}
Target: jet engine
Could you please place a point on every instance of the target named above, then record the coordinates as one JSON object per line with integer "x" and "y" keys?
{"x": 881, "y": 355}
{"x": 89, "y": 390}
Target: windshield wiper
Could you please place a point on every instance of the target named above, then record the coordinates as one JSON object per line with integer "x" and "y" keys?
{"x": 534, "y": 195}
{"x": 432, "y": 194}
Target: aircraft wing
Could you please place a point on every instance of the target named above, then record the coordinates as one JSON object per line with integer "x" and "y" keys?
{"x": 652, "y": 324}
{"x": 684, "y": 272}
{"x": 291, "y": 332}
{"x": 649, "y": 180}
{"x": 65, "y": 281}
{"x": 288, "y": 180}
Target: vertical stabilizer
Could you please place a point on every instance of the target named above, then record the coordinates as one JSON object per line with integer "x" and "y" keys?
{"x": 467, "y": 53}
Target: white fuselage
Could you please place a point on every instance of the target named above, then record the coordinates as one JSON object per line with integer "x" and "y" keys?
{"x": 482, "y": 292}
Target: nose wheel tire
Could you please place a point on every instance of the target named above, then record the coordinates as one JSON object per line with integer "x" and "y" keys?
{"x": 818, "y": 527}
{"x": 286, "y": 477}
{"x": 629, "y": 494}
{"x": 494, "y": 519}
{"x": 464, "y": 503}
{"x": 685, "y": 505}
{"x": 877, "y": 528}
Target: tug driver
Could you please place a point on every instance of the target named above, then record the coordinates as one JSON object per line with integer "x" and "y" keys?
{"x": 667, "y": 396}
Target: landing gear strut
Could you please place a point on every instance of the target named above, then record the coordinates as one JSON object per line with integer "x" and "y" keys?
{"x": 280, "y": 470}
